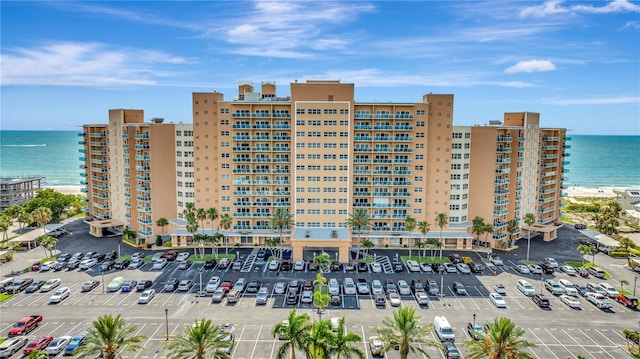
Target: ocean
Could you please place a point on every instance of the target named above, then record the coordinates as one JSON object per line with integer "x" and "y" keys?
{"x": 595, "y": 161}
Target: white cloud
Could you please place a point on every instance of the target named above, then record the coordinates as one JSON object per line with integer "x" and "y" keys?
{"x": 631, "y": 25}
{"x": 594, "y": 101}
{"x": 555, "y": 7}
{"x": 531, "y": 66}
{"x": 83, "y": 64}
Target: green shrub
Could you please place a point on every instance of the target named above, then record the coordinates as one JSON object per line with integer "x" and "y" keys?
{"x": 158, "y": 240}
{"x": 582, "y": 207}
{"x": 618, "y": 254}
{"x": 167, "y": 244}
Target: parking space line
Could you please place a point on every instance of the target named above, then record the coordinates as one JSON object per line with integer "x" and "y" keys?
{"x": 557, "y": 340}
{"x": 580, "y": 345}
{"x": 454, "y": 295}
{"x": 543, "y": 344}
{"x": 256, "y": 343}
{"x": 606, "y": 337}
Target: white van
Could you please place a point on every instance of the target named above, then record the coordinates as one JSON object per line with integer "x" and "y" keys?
{"x": 443, "y": 329}
{"x": 4, "y": 283}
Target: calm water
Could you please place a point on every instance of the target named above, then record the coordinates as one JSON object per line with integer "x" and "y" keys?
{"x": 596, "y": 161}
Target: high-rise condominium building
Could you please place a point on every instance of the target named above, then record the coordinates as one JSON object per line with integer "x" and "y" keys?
{"x": 134, "y": 172}
{"x": 321, "y": 156}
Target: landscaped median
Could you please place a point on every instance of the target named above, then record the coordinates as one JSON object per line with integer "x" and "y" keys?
{"x": 428, "y": 260}
{"x": 5, "y": 296}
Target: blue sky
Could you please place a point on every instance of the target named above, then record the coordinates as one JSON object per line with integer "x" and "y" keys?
{"x": 576, "y": 62}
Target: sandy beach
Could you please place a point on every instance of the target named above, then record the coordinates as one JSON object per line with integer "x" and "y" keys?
{"x": 68, "y": 189}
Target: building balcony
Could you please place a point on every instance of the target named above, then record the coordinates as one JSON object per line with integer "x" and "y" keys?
{"x": 382, "y": 160}
{"x": 141, "y": 136}
{"x": 82, "y": 159}
{"x": 401, "y": 160}
{"x": 499, "y": 225}
{"x": 241, "y": 170}
{"x": 403, "y": 128}
{"x": 550, "y": 173}
{"x": 547, "y": 191}
{"x": 281, "y": 115}
{"x": 503, "y": 170}
{"x": 98, "y": 135}
{"x": 98, "y": 143}
{"x": 261, "y": 126}
{"x": 145, "y": 209}
{"x": 281, "y": 149}
{"x": 362, "y": 205}
{"x": 100, "y": 195}
{"x": 98, "y": 161}
{"x": 100, "y": 205}
{"x": 500, "y": 212}
{"x": 82, "y": 142}
{"x": 81, "y": 134}
{"x": 501, "y": 181}
{"x": 503, "y": 202}
{"x": 242, "y": 126}
{"x": 143, "y": 157}
{"x": 549, "y": 165}
{"x": 383, "y": 127}
{"x": 382, "y": 138}
{"x": 407, "y": 116}
{"x": 242, "y": 160}
{"x": 566, "y": 162}
{"x": 545, "y": 209}
{"x": 381, "y": 193}
{"x": 566, "y": 146}
{"x": 504, "y": 139}
{"x": 241, "y": 115}
{"x": 405, "y": 150}
{"x": 143, "y": 233}
{"x": 382, "y": 183}
{"x": 242, "y": 215}
{"x": 547, "y": 183}
{"x": 143, "y": 178}
{"x": 401, "y": 183}
{"x": 504, "y": 149}
{"x": 242, "y": 149}
{"x": 97, "y": 170}
{"x": 549, "y": 138}
{"x": 281, "y": 138}
{"x": 143, "y": 188}
{"x": 282, "y": 126}
{"x": 144, "y": 220}
{"x": 552, "y": 156}
{"x": 403, "y": 139}
{"x": 362, "y": 138}
{"x": 282, "y": 204}
{"x": 362, "y": 194}
{"x": 546, "y": 199}
{"x": 142, "y": 168}
{"x": 402, "y": 172}
{"x": 383, "y": 116}
{"x": 382, "y": 149}
{"x": 142, "y": 147}
{"x": 281, "y": 160}
{"x": 500, "y": 192}
{"x": 84, "y": 190}
{"x": 99, "y": 187}
{"x": 282, "y": 193}
{"x": 503, "y": 160}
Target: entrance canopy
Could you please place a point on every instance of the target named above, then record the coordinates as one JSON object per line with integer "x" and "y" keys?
{"x": 96, "y": 227}
{"x": 599, "y": 238}
{"x": 549, "y": 232}
{"x": 321, "y": 238}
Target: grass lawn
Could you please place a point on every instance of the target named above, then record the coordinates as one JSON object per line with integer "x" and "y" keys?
{"x": 524, "y": 261}
{"x": 5, "y": 296}
{"x": 574, "y": 264}
{"x": 368, "y": 260}
{"x": 2, "y": 340}
{"x": 48, "y": 260}
{"x": 211, "y": 256}
{"x": 624, "y": 292}
{"x": 123, "y": 258}
{"x": 606, "y": 274}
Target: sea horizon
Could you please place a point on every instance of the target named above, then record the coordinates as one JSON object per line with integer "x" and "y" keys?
{"x": 594, "y": 160}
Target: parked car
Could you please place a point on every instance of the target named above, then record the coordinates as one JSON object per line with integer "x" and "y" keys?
{"x": 171, "y": 285}
{"x": 547, "y": 268}
{"x": 253, "y": 286}
{"x": 476, "y": 267}
{"x": 60, "y": 294}
{"x": 376, "y": 347}
{"x": 136, "y": 263}
{"x": 292, "y": 297}
{"x": 398, "y": 267}
{"x": 390, "y": 286}
{"x": 35, "y": 286}
{"x": 432, "y": 287}
{"x": 595, "y": 288}
{"x": 107, "y": 265}
{"x": 218, "y": 295}
{"x": 394, "y": 299}
{"x": 306, "y": 297}
{"x": 115, "y": 284}
{"x": 500, "y": 289}
{"x": 553, "y": 287}
{"x": 279, "y": 288}
{"x": 349, "y": 286}
{"x": 450, "y": 268}
{"x": 213, "y": 284}
{"x": 413, "y": 266}
{"x": 87, "y": 264}
{"x": 582, "y": 272}
{"x": 122, "y": 264}
{"x": 612, "y": 292}
{"x": 497, "y": 261}
{"x": 298, "y": 265}
{"x": 226, "y": 285}
{"x": 362, "y": 267}
{"x": 182, "y": 256}
{"x": 525, "y": 287}
{"x": 541, "y": 300}
{"x": 146, "y": 296}
{"x": 628, "y": 300}
{"x": 334, "y": 287}
{"x": 451, "y": 350}
{"x": 184, "y": 265}
{"x": 580, "y": 226}
{"x": 144, "y": 285}
{"x": 210, "y": 263}
{"x": 380, "y": 300}
{"x": 185, "y": 285}
{"x": 463, "y": 268}
{"x": 363, "y": 286}
{"x": 74, "y": 344}
{"x": 376, "y": 267}
{"x": 240, "y": 284}
{"x": 523, "y": 269}
{"x": 535, "y": 269}
{"x": 89, "y": 285}
{"x": 376, "y": 287}
{"x": 568, "y": 270}
{"x": 426, "y": 267}
{"x": 129, "y": 285}
{"x": 455, "y": 258}
{"x": 570, "y": 301}
{"x": 37, "y": 344}
{"x": 568, "y": 288}
{"x": 170, "y": 255}
{"x": 403, "y": 288}
{"x": 233, "y": 296}
{"x": 160, "y": 264}
{"x": 12, "y": 346}
{"x": 475, "y": 330}
{"x": 552, "y": 262}
{"x": 497, "y": 300}
{"x": 50, "y": 285}
{"x": 458, "y": 288}
{"x": 57, "y": 345}
{"x": 273, "y": 265}
{"x": 599, "y": 300}
{"x": 261, "y": 296}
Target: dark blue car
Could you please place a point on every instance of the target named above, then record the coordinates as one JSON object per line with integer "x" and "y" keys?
{"x": 75, "y": 342}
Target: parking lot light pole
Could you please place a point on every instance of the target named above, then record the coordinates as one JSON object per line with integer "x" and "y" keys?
{"x": 102, "y": 272}
{"x": 166, "y": 319}
{"x": 635, "y": 281}
{"x": 474, "y": 321}
{"x": 541, "y": 281}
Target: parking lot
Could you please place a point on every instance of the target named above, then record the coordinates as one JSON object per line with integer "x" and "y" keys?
{"x": 560, "y": 331}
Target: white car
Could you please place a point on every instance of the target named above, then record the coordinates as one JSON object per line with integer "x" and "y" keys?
{"x": 394, "y": 299}
{"x": 363, "y": 287}
{"x": 137, "y": 255}
{"x": 60, "y": 295}
{"x": 12, "y": 346}
{"x": 376, "y": 267}
{"x": 599, "y": 300}
{"x": 403, "y": 288}
{"x": 240, "y": 284}
{"x": 570, "y": 301}
{"x": 50, "y": 285}
{"x": 376, "y": 287}
{"x": 525, "y": 287}
{"x": 611, "y": 290}
{"x": 57, "y": 345}
{"x": 88, "y": 263}
{"x": 157, "y": 256}
{"x": 47, "y": 266}
{"x": 568, "y": 287}
{"x": 535, "y": 269}
{"x": 182, "y": 256}
{"x": 568, "y": 270}
{"x": 135, "y": 264}
{"x": 185, "y": 285}
{"x": 213, "y": 284}
{"x": 523, "y": 269}
{"x": 463, "y": 268}
{"x": 497, "y": 261}
{"x": 298, "y": 265}
{"x": 146, "y": 296}
{"x": 349, "y": 286}
{"x": 422, "y": 298}
{"x": 450, "y": 268}
{"x": 306, "y": 297}
{"x": 279, "y": 288}
{"x": 273, "y": 265}
{"x": 376, "y": 346}
{"x": 115, "y": 284}
{"x": 413, "y": 266}
{"x": 334, "y": 287}
{"x": 500, "y": 289}
{"x": 426, "y": 267}
{"x": 497, "y": 300}
{"x": 159, "y": 264}
{"x": 552, "y": 262}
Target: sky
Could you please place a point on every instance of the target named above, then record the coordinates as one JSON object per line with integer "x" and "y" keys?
{"x": 577, "y": 63}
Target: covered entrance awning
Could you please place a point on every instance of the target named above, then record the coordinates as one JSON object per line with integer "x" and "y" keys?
{"x": 321, "y": 238}
{"x": 600, "y": 239}
{"x": 549, "y": 232}
{"x": 96, "y": 228}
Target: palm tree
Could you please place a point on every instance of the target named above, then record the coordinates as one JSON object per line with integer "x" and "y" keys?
{"x": 367, "y": 244}
{"x": 48, "y": 242}
{"x": 435, "y": 245}
{"x": 216, "y": 240}
{"x": 345, "y": 344}
{"x": 529, "y": 220}
{"x": 281, "y": 220}
{"x": 201, "y": 340}
{"x": 294, "y": 333}
{"x": 488, "y": 229}
{"x": 201, "y": 215}
{"x": 512, "y": 228}
{"x": 420, "y": 244}
{"x": 360, "y": 221}
{"x": 226, "y": 222}
{"x": 441, "y": 221}
{"x": 323, "y": 261}
{"x": 625, "y": 244}
{"x": 477, "y": 227}
{"x": 109, "y": 337}
{"x": 623, "y": 282}
{"x": 42, "y": 216}
{"x": 423, "y": 227}
{"x": 5, "y": 224}
{"x": 503, "y": 340}
{"x": 409, "y": 226}
{"x": 162, "y": 222}
{"x": 24, "y": 218}
{"x": 586, "y": 249}
{"x": 37, "y": 354}
{"x": 190, "y": 209}
{"x": 212, "y": 214}
{"x": 318, "y": 341}
{"x": 192, "y": 227}
{"x": 274, "y": 244}
{"x": 403, "y": 330}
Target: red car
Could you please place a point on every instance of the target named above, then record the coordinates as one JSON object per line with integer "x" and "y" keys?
{"x": 628, "y": 300}
{"x": 37, "y": 344}
{"x": 171, "y": 255}
{"x": 226, "y": 285}
{"x": 36, "y": 266}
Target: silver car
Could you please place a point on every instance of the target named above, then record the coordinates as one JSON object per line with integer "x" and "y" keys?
{"x": 262, "y": 296}
{"x": 280, "y": 288}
